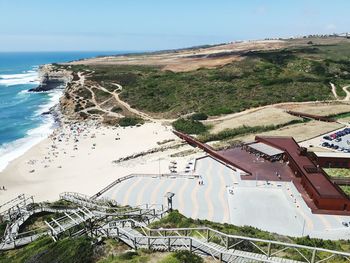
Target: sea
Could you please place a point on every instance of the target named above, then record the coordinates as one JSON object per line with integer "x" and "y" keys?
{"x": 22, "y": 124}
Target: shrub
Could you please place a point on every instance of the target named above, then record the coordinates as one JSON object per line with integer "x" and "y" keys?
{"x": 129, "y": 121}
{"x": 187, "y": 256}
{"x": 182, "y": 257}
{"x": 199, "y": 116}
{"x": 116, "y": 109}
{"x": 189, "y": 126}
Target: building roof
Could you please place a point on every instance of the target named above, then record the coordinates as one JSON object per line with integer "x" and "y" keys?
{"x": 265, "y": 149}
{"x": 318, "y": 180}
{"x": 333, "y": 154}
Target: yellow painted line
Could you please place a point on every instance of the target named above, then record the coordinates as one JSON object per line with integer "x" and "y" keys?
{"x": 140, "y": 200}
{"x": 208, "y": 192}
{"x": 131, "y": 188}
{"x": 325, "y": 222}
{"x": 222, "y": 194}
{"x": 154, "y": 195}
{"x": 194, "y": 200}
{"x": 181, "y": 197}
{"x": 308, "y": 221}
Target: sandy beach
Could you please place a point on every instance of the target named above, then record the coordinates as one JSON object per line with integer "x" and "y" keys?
{"x": 79, "y": 157}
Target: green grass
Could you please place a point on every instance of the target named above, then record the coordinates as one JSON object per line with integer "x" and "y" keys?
{"x": 181, "y": 257}
{"x": 177, "y": 220}
{"x": 340, "y": 115}
{"x": 127, "y": 257}
{"x": 337, "y": 172}
{"x": 244, "y": 130}
{"x": 81, "y": 250}
{"x": 261, "y": 78}
{"x": 346, "y": 189}
{"x": 78, "y": 250}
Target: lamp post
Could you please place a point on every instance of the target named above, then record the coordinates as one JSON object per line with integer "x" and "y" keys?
{"x": 169, "y": 196}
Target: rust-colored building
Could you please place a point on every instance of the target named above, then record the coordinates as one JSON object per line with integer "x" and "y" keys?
{"x": 325, "y": 194}
{"x": 331, "y": 159}
{"x": 318, "y": 191}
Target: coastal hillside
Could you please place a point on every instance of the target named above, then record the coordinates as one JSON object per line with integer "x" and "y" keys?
{"x": 211, "y": 80}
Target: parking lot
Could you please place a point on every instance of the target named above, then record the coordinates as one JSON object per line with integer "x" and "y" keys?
{"x": 339, "y": 140}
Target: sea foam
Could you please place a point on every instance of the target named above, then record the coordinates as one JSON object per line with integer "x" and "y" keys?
{"x": 15, "y": 149}
{"x": 29, "y": 77}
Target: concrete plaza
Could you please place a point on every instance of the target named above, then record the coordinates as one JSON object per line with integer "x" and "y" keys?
{"x": 224, "y": 197}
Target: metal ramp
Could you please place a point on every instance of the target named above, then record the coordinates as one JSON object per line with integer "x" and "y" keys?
{"x": 86, "y": 201}
{"x": 15, "y": 207}
{"x": 222, "y": 247}
{"x": 66, "y": 223}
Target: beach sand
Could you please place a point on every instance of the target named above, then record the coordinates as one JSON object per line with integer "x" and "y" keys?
{"x": 79, "y": 158}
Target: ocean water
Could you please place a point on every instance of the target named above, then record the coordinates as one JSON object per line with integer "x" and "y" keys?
{"x": 22, "y": 124}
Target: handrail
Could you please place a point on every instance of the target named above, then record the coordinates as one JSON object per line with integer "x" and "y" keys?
{"x": 240, "y": 237}
{"x": 204, "y": 244}
{"x": 123, "y": 178}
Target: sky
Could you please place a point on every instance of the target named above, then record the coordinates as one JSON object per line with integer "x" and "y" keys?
{"x": 140, "y": 25}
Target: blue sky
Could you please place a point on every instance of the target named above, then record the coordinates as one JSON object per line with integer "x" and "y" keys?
{"x": 63, "y": 25}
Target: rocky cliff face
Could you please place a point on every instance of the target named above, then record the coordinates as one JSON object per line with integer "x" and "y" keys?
{"x": 52, "y": 78}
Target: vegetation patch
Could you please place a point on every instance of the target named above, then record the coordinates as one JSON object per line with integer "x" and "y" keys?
{"x": 177, "y": 220}
{"x": 293, "y": 74}
{"x": 337, "y": 172}
{"x": 116, "y": 109}
{"x": 181, "y": 257}
{"x": 78, "y": 250}
{"x": 96, "y": 111}
{"x": 244, "y": 130}
{"x": 199, "y": 116}
{"x": 189, "y": 126}
{"x": 130, "y": 121}
{"x": 346, "y": 189}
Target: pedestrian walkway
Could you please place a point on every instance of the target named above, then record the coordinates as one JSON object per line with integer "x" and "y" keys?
{"x": 202, "y": 196}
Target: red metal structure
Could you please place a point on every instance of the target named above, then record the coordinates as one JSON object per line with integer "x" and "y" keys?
{"x": 331, "y": 161}
{"x": 310, "y": 116}
{"x": 318, "y": 191}
{"x": 325, "y": 194}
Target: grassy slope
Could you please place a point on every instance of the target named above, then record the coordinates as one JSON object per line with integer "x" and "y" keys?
{"x": 292, "y": 74}
{"x": 176, "y": 220}
{"x": 45, "y": 250}
{"x": 81, "y": 249}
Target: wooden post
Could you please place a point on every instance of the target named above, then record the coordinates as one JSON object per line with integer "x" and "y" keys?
{"x": 135, "y": 243}
{"x": 313, "y": 256}
{"x": 269, "y": 250}
{"x": 190, "y": 244}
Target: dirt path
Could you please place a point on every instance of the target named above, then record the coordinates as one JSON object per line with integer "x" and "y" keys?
{"x": 123, "y": 103}
{"x": 145, "y": 116}
{"x": 347, "y": 91}
{"x": 345, "y": 88}
{"x": 334, "y": 91}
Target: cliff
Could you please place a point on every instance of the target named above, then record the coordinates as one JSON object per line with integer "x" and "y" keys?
{"x": 52, "y": 78}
